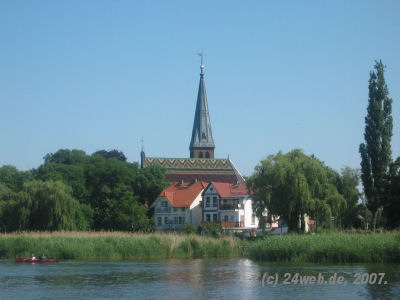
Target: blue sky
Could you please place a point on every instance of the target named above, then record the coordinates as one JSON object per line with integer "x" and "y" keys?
{"x": 279, "y": 75}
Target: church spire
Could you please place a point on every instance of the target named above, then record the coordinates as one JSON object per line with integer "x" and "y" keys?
{"x": 202, "y": 143}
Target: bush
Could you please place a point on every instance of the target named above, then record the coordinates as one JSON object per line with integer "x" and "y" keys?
{"x": 189, "y": 228}
{"x": 212, "y": 228}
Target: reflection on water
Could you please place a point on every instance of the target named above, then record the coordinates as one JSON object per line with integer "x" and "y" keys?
{"x": 188, "y": 279}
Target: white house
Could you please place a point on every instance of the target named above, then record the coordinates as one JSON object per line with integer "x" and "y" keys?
{"x": 230, "y": 205}
{"x": 178, "y": 204}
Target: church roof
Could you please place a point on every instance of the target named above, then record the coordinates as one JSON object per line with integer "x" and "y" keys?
{"x": 189, "y": 169}
{"x": 201, "y": 133}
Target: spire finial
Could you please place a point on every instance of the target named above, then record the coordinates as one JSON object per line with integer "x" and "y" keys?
{"x": 201, "y": 54}
{"x": 142, "y": 145}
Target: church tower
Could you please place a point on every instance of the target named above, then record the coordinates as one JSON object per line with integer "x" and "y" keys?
{"x": 202, "y": 143}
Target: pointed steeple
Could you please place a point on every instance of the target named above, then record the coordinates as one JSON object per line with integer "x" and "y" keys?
{"x": 202, "y": 143}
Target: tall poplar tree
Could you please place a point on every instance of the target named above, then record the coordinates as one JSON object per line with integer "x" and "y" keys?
{"x": 376, "y": 151}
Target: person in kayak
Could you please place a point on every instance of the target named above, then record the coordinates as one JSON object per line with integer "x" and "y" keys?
{"x": 42, "y": 257}
{"x": 33, "y": 257}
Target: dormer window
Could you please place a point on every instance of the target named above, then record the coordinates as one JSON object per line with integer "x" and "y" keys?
{"x": 164, "y": 204}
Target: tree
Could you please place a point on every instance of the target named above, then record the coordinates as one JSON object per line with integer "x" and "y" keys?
{"x": 12, "y": 178}
{"x": 111, "y": 154}
{"x": 376, "y": 152}
{"x": 292, "y": 185}
{"x": 71, "y": 174}
{"x": 42, "y": 205}
{"x": 107, "y": 192}
{"x": 66, "y": 156}
{"x": 392, "y": 209}
{"x": 350, "y": 178}
{"x": 149, "y": 183}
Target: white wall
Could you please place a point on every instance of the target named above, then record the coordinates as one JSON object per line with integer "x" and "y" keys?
{"x": 196, "y": 211}
{"x": 248, "y": 213}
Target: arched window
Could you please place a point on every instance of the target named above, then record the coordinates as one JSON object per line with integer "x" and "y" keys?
{"x": 201, "y": 154}
{"x": 207, "y": 154}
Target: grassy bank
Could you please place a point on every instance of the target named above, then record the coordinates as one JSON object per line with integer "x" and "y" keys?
{"x": 86, "y": 245}
{"x": 333, "y": 247}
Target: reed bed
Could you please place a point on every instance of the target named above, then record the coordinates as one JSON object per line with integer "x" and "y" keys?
{"x": 333, "y": 247}
{"x": 115, "y": 245}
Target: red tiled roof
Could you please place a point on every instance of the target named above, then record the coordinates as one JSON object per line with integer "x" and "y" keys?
{"x": 227, "y": 189}
{"x": 183, "y": 194}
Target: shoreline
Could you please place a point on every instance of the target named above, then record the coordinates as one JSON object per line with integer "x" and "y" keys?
{"x": 291, "y": 248}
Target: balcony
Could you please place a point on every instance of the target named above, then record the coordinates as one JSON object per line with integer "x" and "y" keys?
{"x": 227, "y": 224}
{"x": 229, "y": 207}
{"x": 163, "y": 210}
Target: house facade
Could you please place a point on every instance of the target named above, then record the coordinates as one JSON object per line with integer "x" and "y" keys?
{"x": 178, "y": 204}
{"x": 229, "y": 205}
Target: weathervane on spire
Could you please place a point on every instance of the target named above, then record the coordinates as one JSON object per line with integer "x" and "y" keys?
{"x": 201, "y": 54}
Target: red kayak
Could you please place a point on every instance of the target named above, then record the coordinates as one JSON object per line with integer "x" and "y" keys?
{"x": 30, "y": 260}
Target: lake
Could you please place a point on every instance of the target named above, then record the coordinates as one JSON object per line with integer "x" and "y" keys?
{"x": 197, "y": 279}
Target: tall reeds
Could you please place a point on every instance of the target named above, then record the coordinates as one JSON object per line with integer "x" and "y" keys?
{"x": 115, "y": 245}
{"x": 331, "y": 247}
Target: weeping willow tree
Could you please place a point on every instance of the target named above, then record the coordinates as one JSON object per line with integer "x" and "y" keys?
{"x": 292, "y": 185}
{"x": 43, "y": 205}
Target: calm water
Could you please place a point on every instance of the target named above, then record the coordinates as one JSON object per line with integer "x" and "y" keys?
{"x": 192, "y": 279}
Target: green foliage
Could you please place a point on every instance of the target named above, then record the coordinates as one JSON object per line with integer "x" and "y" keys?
{"x": 70, "y": 174}
{"x": 376, "y": 151}
{"x": 212, "y": 229}
{"x": 392, "y": 207}
{"x": 43, "y": 206}
{"x": 149, "y": 183}
{"x": 117, "y": 246}
{"x": 111, "y": 154}
{"x": 337, "y": 247}
{"x": 350, "y": 179}
{"x": 12, "y": 178}
{"x": 189, "y": 228}
{"x": 108, "y": 192}
{"x": 292, "y": 185}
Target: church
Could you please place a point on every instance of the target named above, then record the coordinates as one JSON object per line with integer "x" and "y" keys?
{"x": 201, "y": 165}
{"x": 205, "y": 188}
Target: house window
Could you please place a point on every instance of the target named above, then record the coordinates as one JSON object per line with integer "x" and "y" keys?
{"x": 164, "y": 204}
{"x": 159, "y": 221}
{"x": 201, "y": 154}
{"x": 231, "y": 218}
{"x": 176, "y": 220}
{"x": 208, "y": 219}
{"x": 226, "y": 218}
{"x": 214, "y": 217}
{"x": 215, "y": 204}
{"x": 207, "y": 154}
{"x": 165, "y": 220}
{"x": 183, "y": 209}
{"x": 181, "y": 220}
{"x": 207, "y": 201}
{"x": 253, "y": 219}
